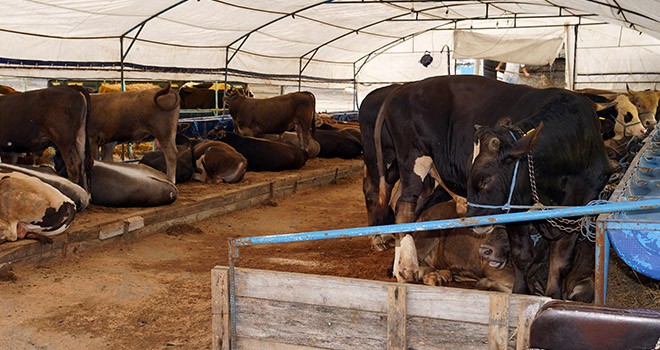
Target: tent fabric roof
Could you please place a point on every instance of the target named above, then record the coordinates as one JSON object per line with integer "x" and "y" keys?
{"x": 326, "y": 40}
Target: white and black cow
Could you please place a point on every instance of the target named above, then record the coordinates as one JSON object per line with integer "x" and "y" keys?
{"x": 30, "y": 208}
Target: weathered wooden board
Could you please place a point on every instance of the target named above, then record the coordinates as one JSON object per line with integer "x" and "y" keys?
{"x": 303, "y": 311}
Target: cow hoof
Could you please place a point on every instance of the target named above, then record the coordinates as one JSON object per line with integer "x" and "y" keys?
{"x": 381, "y": 243}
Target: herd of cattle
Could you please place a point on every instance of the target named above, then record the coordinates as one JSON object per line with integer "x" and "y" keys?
{"x": 439, "y": 148}
{"x": 78, "y": 124}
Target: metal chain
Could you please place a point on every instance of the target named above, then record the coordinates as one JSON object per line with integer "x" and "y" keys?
{"x": 566, "y": 225}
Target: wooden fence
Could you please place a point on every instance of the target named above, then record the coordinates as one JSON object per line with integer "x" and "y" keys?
{"x": 293, "y": 311}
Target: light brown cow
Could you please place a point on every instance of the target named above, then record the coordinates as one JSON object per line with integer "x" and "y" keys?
{"x": 647, "y": 104}
{"x": 30, "y": 208}
{"x": 275, "y": 115}
{"x": 453, "y": 255}
{"x": 6, "y": 90}
{"x": 133, "y": 115}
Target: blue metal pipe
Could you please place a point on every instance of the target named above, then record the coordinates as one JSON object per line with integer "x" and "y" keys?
{"x": 650, "y": 204}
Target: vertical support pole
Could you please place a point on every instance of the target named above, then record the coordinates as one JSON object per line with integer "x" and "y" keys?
{"x": 498, "y": 327}
{"x": 602, "y": 263}
{"x": 121, "y": 66}
{"x": 220, "y": 308}
{"x": 355, "y": 96}
{"x": 233, "y": 256}
{"x": 575, "y": 41}
{"x": 224, "y": 91}
{"x": 396, "y": 317}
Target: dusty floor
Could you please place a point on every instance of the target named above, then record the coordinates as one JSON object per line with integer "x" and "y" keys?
{"x": 154, "y": 292}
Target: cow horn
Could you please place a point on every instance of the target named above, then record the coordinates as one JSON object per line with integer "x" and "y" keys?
{"x": 630, "y": 91}
{"x": 477, "y": 127}
{"x": 494, "y": 144}
{"x": 603, "y": 106}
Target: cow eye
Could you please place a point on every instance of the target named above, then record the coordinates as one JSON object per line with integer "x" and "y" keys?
{"x": 484, "y": 183}
{"x": 628, "y": 118}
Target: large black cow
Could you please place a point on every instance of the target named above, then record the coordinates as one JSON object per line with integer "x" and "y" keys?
{"x": 368, "y": 113}
{"x": 559, "y": 136}
{"x": 431, "y": 124}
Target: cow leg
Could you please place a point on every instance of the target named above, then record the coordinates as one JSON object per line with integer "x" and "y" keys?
{"x": 73, "y": 164}
{"x": 561, "y": 255}
{"x": 170, "y": 152}
{"x": 407, "y": 269}
{"x": 522, "y": 255}
{"x": 39, "y": 237}
{"x": 108, "y": 150}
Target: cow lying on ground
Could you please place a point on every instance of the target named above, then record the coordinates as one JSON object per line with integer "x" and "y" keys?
{"x": 579, "y": 281}
{"x": 338, "y": 144}
{"x": 185, "y": 163}
{"x": 30, "y": 208}
{"x": 218, "y": 162}
{"x": 262, "y": 154}
{"x": 34, "y": 120}
{"x": 453, "y": 254}
{"x": 292, "y": 138}
{"x": 77, "y": 194}
{"x": 130, "y": 185}
{"x": 274, "y": 115}
{"x": 132, "y": 116}
{"x": 561, "y": 138}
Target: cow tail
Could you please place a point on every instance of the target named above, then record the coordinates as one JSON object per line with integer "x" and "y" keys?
{"x": 378, "y": 131}
{"x": 313, "y": 114}
{"x": 88, "y": 160}
{"x": 164, "y": 91}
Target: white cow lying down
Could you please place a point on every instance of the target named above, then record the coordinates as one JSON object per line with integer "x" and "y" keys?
{"x": 30, "y": 208}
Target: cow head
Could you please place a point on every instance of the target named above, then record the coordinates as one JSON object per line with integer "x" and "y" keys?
{"x": 628, "y": 123}
{"x": 647, "y": 105}
{"x": 495, "y": 248}
{"x": 491, "y": 173}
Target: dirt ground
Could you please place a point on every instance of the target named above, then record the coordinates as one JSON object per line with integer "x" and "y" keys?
{"x": 154, "y": 292}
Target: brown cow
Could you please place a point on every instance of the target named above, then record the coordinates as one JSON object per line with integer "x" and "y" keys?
{"x": 647, "y": 104}
{"x": 274, "y": 115}
{"x": 34, "y": 120}
{"x": 132, "y": 116}
{"x": 6, "y": 90}
{"x": 453, "y": 255}
{"x": 218, "y": 162}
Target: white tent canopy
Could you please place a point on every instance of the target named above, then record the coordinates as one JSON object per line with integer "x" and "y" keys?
{"x": 324, "y": 43}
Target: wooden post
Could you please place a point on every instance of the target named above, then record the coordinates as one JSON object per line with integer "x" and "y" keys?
{"x": 396, "y": 317}
{"x": 498, "y": 327}
{"x": 526, "y": 312}
{"x": 220, "y": 308}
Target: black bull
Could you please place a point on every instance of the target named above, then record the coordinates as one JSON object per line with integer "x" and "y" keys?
{"x": 431, "y": 123}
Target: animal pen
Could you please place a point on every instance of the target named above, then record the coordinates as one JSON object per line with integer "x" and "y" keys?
{"x": 256, "y": 309}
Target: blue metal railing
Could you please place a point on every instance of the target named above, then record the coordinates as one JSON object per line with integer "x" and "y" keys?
{"x": 235, "y": 243}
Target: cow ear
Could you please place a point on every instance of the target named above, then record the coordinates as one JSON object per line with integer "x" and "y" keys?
{"x": 603, "y": 106}
{"x": 494, "y": 144}
{"x": 525, "y": 144}
{"x": 505, "y": 121}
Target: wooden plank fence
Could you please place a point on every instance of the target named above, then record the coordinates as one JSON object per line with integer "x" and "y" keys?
{"x": 293, "y": 311}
